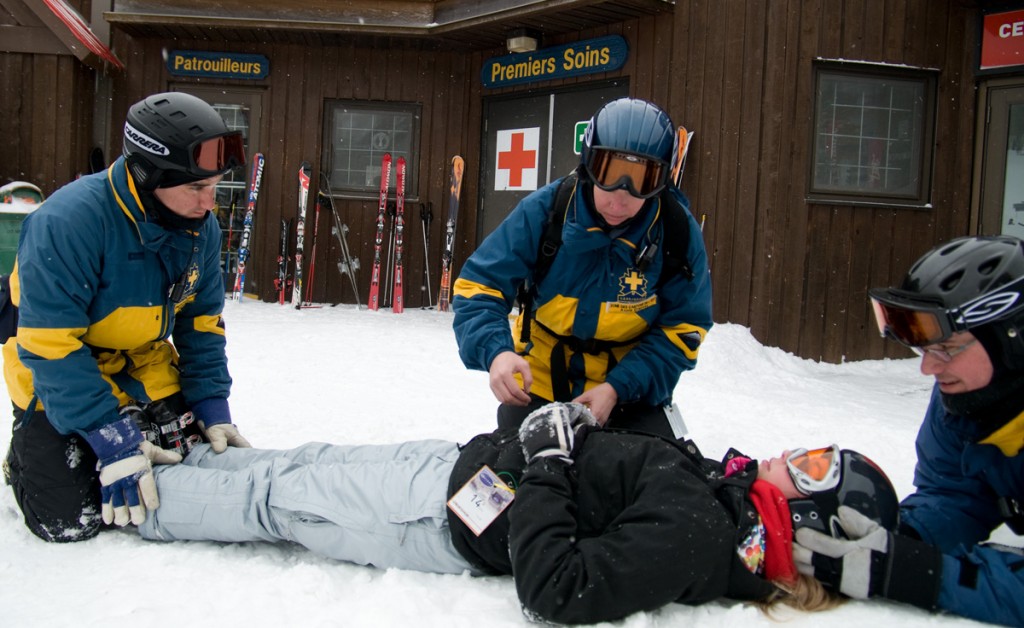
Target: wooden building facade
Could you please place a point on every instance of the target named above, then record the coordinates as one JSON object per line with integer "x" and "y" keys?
{"x": 792, "y": 251}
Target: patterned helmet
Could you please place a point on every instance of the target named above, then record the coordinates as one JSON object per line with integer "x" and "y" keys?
{"x": 175, "y": 138}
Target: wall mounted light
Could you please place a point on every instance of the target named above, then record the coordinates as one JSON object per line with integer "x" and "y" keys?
{"x": 521, "y": 40}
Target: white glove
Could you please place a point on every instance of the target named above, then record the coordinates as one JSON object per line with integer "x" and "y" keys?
{"x": 854, "y": 566}
{"x": 128, "y": 487}
{"x": 223, "y": 434}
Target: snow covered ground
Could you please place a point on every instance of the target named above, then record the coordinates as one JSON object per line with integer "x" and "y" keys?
{"x": 352, "y": 376}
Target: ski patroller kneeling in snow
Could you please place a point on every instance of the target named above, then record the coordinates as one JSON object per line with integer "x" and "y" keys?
{"x": 594, "y": 524}
{"x": 961, "y": 308}
{"x": 109, "y": 269}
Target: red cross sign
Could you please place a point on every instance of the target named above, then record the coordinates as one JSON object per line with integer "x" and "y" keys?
{"x": 516, "y": 161}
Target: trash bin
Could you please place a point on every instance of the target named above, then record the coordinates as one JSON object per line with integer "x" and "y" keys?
{"x": 17, "y": 200}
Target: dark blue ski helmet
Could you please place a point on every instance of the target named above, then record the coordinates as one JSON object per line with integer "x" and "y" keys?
{"x": 638, "y": 132}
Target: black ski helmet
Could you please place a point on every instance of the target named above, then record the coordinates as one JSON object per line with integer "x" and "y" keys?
{"x": 175, "y": 138}
{"x": 635, "y": 127}
{"x": 862, "y": 486}
{"x": 980, "y": 279}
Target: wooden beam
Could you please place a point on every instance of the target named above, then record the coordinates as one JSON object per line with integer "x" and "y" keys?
{"x": 30, "y": 40}
{"x": 68, "y": 26}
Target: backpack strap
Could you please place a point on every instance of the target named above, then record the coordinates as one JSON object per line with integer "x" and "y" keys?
{"x": 675, "y": 236}
{"x": 550, "y": 242}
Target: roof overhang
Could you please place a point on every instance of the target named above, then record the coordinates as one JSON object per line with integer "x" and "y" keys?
{"x": 457, "y": 24}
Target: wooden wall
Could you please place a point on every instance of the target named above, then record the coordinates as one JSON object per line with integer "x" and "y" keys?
{"x": 302, "y": 79}
{"x": 796, "y": 272}
{"x": 46, "y": 115}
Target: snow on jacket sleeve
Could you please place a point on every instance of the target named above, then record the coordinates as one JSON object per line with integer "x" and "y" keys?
{"x": 486, "y": 287}
{"x": 650, "y": 371}
{"x": 985, "y": 583}
{"x": 199, "y": 337}
{"x": 629, "y": 536}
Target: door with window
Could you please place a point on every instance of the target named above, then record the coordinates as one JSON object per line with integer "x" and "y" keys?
{"x": 241, "y": 111}
{"x": 530, "y": 140}
{"x": 1002, "y": 187}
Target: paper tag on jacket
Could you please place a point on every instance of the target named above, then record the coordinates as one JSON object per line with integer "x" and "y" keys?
{"x": 480, "y": 500}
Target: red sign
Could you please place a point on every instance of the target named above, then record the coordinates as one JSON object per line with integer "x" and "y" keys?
{"x": 1002, "y": 41}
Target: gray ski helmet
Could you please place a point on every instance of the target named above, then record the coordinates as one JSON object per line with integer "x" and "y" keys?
{"x": 964, "y": 269}
{"x": 635, "y": 127}
{"x": 974, "y": 284}
{"x": 862, "y": 486}
{"x": 175, "y": 138}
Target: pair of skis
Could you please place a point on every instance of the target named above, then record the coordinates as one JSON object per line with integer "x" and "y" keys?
{"x": 398, "y": 293}
{"x": 284, "y": 280}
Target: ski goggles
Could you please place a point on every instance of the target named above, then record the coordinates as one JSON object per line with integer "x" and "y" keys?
{"x": 917, "y": 323}
{"x": 218, "y": 155}
{"x": 611, "y": 170}
{"x": 814, "y": 470}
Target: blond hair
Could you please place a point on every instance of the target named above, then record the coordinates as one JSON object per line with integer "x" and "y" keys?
{"x": 806, "y": 594}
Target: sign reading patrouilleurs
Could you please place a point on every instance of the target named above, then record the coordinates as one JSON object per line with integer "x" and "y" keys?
{"x": 217, "y": 64}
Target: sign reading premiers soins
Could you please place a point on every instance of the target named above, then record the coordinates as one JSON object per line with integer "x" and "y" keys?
{"x": 217, "y": 64}
{"x": 603, "y": 54}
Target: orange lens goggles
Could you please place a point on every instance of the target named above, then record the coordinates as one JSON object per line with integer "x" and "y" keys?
{"x": 613, "y": 170}
{"x": 219, "y": 154}
{"x": 912, "y": 326}
{"x": 814, "y": 470}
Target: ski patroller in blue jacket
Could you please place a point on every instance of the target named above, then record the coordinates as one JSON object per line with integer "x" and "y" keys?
{"x": 95, "y": 318}
{"x": 959, "y": 482}
{"x": 593, "y": 290}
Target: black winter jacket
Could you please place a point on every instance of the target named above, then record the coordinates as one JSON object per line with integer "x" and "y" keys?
{"x": 635, "y": 523}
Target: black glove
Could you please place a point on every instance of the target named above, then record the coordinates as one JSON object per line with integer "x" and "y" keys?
{"x": 551, "y": 430}
{"x": 872, "y": 563}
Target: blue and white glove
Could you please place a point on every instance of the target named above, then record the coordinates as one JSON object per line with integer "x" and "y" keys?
{"x": 551, "y": 430}
{"x": 127, "y": 487}
{"x": 873, "y": 562}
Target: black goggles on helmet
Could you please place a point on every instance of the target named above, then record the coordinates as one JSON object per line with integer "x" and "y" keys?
{"x": 917, "y": 323}
{"x": 612, "y": 169}
{"x": 218, "y": 155}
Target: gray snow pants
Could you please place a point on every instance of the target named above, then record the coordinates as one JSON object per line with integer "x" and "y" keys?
{"x": 380, "y": 505}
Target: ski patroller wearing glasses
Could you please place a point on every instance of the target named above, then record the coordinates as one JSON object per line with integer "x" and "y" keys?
{"x": 119, "y": 289}
{"x": 963, "y": 296}
{"x": 611, "y": 325}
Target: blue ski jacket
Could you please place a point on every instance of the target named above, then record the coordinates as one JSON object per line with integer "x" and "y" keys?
{"x": 91, "y": 282}
{"x": 624, "y": 328}
{"x": 956, "y": 506}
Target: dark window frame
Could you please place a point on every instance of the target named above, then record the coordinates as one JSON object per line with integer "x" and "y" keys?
{"x": 369, "y": 136}
{"x": 920, "y": 115}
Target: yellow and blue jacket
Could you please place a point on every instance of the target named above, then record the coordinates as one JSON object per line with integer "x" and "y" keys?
{"x": 91, "y": 282}
{"x": 611, "y": 321}
{"x": 964, "y": 489}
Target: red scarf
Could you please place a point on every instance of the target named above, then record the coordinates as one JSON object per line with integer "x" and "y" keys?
{"x": 778, "y": 526}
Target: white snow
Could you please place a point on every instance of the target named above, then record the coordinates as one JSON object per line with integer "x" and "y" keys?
{"x": 344, "y": 375}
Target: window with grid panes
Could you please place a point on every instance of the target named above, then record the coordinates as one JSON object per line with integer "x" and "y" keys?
{"x": 873, "y": 135}
{"x": 357, "y": 136}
